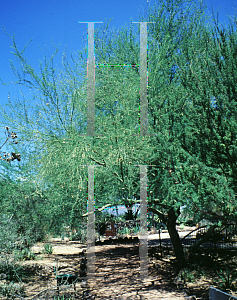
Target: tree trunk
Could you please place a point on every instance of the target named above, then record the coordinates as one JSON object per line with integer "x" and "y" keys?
{"x": 174, "y": 236}
{"x": 170, "y": 222}
{"x": 136, "y": 213}
{"x": 129, "y": 212}
{"x": 205, "y": 238}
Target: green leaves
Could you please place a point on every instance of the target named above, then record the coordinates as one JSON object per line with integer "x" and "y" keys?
{"x": 226, "y": 280}
{"x": 191, "y": 114}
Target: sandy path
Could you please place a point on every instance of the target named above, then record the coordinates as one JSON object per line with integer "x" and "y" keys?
{"x": 117, "y": 276}
{"x": 117, "y": 272}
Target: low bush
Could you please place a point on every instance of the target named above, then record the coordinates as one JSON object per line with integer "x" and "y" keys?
{"x": 136, "y": 229}
{"x": 124, "y": 231}
{"x": 11, "y": 290}
{"x": 186, "y": 275}
{"x": 48, "y": 249}
{"x": 24, "y": 254}
{"x": 10, "y": 270}
{"x": 80, "y": 235}
{"x": 226, "y": 281}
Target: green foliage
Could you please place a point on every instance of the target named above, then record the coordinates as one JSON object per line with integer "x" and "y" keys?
{"x": 8, "y": 233}
{"x": 136, "y": 229}
{"x": 59, "y": 298}
{"x": 207, "y": 137}
{"x": 24, "y": 254}
{"x": 48, "y": 249}
{"x": 80, "y": 235}
{"x": 190, "y": 274}
{"x": 226, "y": 280}
{"x": 12, "y": 271}
{"x": 124, "y": 231}
{"x": 26, "y": 206}
{"x": 191, "y": 114}
{"x": 11, "y": 290}
{"x": 186, "y": 275}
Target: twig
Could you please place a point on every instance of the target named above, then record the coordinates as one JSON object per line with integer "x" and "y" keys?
{"x": 4, "y": 142}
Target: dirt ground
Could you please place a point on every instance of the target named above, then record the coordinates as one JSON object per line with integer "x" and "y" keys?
{"x": 116, "y": 274}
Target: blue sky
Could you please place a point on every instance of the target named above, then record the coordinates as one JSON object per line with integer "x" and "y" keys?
{"x": 57, "y": 20}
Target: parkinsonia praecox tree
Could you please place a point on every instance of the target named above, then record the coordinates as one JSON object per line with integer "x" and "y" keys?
{"x": 143, "y": 132}
{"x": 186, "y": 170}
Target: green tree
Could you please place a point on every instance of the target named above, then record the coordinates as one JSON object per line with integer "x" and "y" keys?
{"x": 54, "y": 111}
{"x": 55, "y": 124}
{"x": 196, "y": 149}
{"x": 208, "y": 139}
{"x": 167, "y": 38}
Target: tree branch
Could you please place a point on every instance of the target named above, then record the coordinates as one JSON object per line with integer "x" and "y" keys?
{"x": 155, "y": 211}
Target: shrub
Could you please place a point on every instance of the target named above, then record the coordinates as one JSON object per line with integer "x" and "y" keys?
{"x": 226, "y": 280}
{"x": 80, "y": 234}
{"x": 8, "y": 234}
{"x": 186, "y": 275}
{"x": 48, "y": 249}
{"x": 136, "y": 229}
{"x": 10, "y": 270}
{"x": 125, "y": 230}
{"x": 11, "y": 290}
{"x": 24, "y": 254}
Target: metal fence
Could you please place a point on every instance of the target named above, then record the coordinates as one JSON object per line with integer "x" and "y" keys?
{"x": 224, "y": 238}
{"x": 215, "y": 294}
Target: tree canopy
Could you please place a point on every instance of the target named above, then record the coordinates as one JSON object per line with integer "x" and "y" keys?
{"x": 191, "y": 146}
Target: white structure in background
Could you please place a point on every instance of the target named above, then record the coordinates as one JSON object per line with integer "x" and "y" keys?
{"x": 120, "y": 211}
